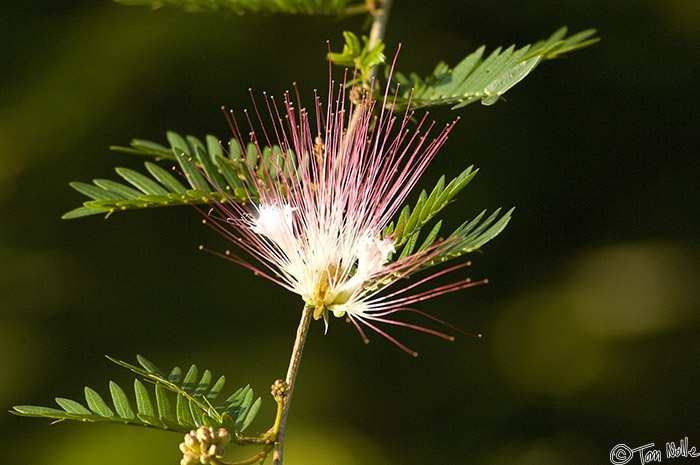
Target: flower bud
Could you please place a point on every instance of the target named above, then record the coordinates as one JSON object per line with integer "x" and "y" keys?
{"x": 224, "y": 437}
{"x": 202, "y": 444}
{"x": 190, "y": 458}
{"x": 204, "y": 435}
{"x": 191, "y": 440}
{"x": 279, "y": 389}
{"x": 215, "y": 450}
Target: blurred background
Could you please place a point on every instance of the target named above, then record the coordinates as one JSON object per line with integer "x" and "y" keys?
{"x": 590, "y": 319}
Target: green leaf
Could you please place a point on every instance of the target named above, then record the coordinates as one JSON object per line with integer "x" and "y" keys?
{"x": 34, "y": 411}
{"x": 97, "y": 404}
{"x": 431, "y": 237}
{"x": 121, "y": 402}
{"x": 91, "y": 191}
{"x": 185, "y": 413}
{"x": 412, "y": 220}
{"x": 228, "y": 172}
{"x": 236, "y": 406}
{"x": 141, "y": 182}
{"x": 216, "y": 389}
{"x": 476, "y": 78}
{"x": 153, "y": 147}
{"x": 185, "y": 156}
{"x": 72, "y": 406}
{"x": 146, "y": 148}
{"x": 125, "y": 192}
{"x": 218, "y": 175}
{"x": 250, "y": 415}
{"x": 482, "y": 235}
{"x": 80, "y": 212}
{"x": 508, "y": 79}
{"x": 164, "y": 412}
{"x": 143, "y": 400}
{"x": 410, "y": 245}
{"x": 204, "y": 160}
{"x": 430, "y": 201}
{"x": 470, "y": 236}
{"x": 190, "y": 378}
{"x": 197, "y": 415}
{"x": 243, "y": 409}
{"x": 149, "y": 366}
{"x": 165, "y": 178}
{"x": 175, "y": 375}
{"x": 203, "y": 384}
{"x": 359, "y": 56}
{"x": 401, "y": 221}
{"x": 234, "y": 401}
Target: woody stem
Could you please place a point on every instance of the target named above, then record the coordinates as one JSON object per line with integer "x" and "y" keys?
{"x": 376, "y": 33}
{"x": 381, "y": 17}
{"x": 292, "y": 371}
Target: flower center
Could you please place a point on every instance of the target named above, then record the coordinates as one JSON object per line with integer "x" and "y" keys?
{"x": 324, "y": 289}
{"x": 327, "y": 260}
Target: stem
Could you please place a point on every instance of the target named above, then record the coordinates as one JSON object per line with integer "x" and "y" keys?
{"x": 292, "y": 371}
{"x": 376, "y": 34}
{"x": 381, "y": 16}
{"x": 250, "y": 461}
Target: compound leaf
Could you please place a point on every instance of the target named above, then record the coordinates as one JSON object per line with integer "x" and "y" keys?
{"x": 180, "y": 406}
{"x": 476, "y": 78}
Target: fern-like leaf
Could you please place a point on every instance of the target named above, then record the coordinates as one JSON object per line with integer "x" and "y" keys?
{"x": 193, "y": 404}
{"x": 208, "y": 173}
{"x": 476, "y": 78}
{"x": 470, "y": 236}
{"x": 412, "y": 220}
{"x": 467, "y": 238}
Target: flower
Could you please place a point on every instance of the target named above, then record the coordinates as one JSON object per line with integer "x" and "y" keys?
{"x": 323, "y": 203}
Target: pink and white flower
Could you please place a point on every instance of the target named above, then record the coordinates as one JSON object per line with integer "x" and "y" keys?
{"x": 316, "y": 226}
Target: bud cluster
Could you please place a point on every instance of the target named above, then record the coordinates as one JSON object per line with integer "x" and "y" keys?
{"x": 202, "y": 444}
{"x": 279, "y": 390}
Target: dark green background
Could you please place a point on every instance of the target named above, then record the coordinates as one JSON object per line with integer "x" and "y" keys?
{"x": 590, "y": 319}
